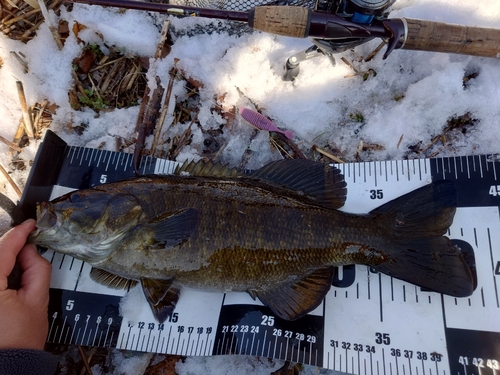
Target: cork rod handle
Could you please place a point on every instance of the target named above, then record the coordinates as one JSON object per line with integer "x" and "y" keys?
{"x": 290, "y": 21}
{"x": 443, "y": 37}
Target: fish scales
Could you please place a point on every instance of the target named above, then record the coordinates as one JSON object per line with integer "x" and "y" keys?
{"x": 276, "y": 234}
{"x": 300, "y": 236}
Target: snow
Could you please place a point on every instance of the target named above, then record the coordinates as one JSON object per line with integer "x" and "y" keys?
{"x": 407, "y": 102}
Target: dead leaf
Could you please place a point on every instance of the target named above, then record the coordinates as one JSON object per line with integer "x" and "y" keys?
{"x": 77, "y": 27}
{"x": 85, "y": 61}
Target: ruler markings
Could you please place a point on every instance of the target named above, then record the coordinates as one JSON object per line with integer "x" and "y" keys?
{"x": 493, "y": 267}
{"x": 494, "y": 169}
{"x": 73, "y": 149}
{"x": 86, "y": 326}
{"x": 100, "y": 156}
{"x": 67, "y": 333}
{"x": 79, "y": 275}
{"x": 163, "y": 345}
{"x": 146, "y": 159}
{"x": 380, "y": 297}
{"x": 414, "y": 170}
{"x": 127, "y": 162}
{"x": 62, "y": 261}
{"x": 91, "y": 156}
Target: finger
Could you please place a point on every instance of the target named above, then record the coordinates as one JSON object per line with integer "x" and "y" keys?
{"x": 35, "y": 281}
{"x": 10, "y": 244}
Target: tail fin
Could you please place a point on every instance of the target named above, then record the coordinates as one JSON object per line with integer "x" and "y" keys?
{"x": 420, "y": 254}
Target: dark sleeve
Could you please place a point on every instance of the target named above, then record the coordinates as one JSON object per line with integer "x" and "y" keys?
{"x": 27, "y": 362}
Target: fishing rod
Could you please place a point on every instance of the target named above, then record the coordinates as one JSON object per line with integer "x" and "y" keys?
{"x": 337, "y": 25}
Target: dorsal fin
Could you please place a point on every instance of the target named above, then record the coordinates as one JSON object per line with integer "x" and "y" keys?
{"x": 208, "y": 169}
{"x": 321, "y": 183}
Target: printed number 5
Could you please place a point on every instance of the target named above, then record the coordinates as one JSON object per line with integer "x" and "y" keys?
{"x": 376, "y": 194}
{"x": 70, "y": 305}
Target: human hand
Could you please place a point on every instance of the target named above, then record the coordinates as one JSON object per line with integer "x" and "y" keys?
{"x": 23, "y": 313}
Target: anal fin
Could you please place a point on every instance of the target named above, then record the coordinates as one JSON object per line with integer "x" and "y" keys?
{"x": 161, "y": 296}
{"x": 111, "y": 280}
{"x": 293, "y": 300}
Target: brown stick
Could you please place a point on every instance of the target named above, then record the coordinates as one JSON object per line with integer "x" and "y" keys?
{"x": 39, "y": 115}
{"x": 163, "y": 37}
{"x": 142, "y": 108}
{"x": 164, "y": 111}
{"x": 147, "y": 125}
{"x": 50, "y": 24}
{"x": 84, "y": 360}
{"x": 11, "y": 181}
{"x": 10, "y": 144}
{"x": 327, "y": 154}
{"x": 28, "y": 125}
{"x": 443, "y": 37}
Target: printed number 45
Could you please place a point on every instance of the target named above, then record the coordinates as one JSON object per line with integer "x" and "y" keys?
{"x": 495, "y": 190}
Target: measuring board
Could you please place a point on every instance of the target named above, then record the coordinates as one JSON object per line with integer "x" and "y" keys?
{"x": 369, "y": 323}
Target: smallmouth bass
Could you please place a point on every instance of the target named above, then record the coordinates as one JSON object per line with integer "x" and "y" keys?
{"x": 276, "y": 234}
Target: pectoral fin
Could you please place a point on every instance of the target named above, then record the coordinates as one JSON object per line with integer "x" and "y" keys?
{"x": 174, "y": 227}
{"x": 161, "y": 296}
{"x": 291, "y": 301}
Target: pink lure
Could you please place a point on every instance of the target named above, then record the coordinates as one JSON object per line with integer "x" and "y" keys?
{"x": 262, "y": 122}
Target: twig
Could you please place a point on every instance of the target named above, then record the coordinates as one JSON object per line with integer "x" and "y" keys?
{"x": 375, "y": 51}
{"x": 328, "y": 155}
{"x": 164, "y": 111}
{"x": 348, "y": 63}
{"x": 39, "y": 115}
{"x": 19, "y": 18}
{"x": 84, "y": 360}
{"x": 21, "y": 61}
{"x": 50, "y": 24}
{"x": 11, "y": 181}
{"x": 279, "y": 148}
{"x": 148, "y": 122}
{"x": 400, "y": 140}
{"x": 100, "y": 66}
{"x": 28, "y": 125}
{"x": 10, "y": 144}
{"x": 19, "y": 133}
{"x": 292, "y": 145}
{"x": 163, "y": 37}
{"x": 142, "y": 108}
{"x": 183, "y": 139}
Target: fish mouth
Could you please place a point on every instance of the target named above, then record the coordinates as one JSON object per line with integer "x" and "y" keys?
{"x": 47, "y": 223}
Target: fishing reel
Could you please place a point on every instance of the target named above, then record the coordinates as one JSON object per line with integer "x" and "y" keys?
{"x": 363, "y": 12}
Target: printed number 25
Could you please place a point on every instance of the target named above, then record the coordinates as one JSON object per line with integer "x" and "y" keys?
{"x": 376, "y": 194}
